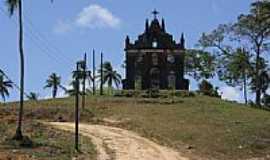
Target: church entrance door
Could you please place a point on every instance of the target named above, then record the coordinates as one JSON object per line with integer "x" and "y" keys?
{"x": 155, "y": 78}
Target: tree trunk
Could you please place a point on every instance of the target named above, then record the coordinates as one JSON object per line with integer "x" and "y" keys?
{"x": 257, "y": 78}
{"x": 19, "y": 135}
{"x": 54, "y": 92}
{"x": 245, "y": 88}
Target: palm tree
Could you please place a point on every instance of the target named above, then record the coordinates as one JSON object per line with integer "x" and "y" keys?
{"x": 54, "y": 82}
{"x": 33, "y": 96}
{"x": 4, "y": 86}
{"x": 110, "y": 76}
{"x": 72, "y": 90}
{"x": 12, "y": 6}
{"x": 82, "y": 76}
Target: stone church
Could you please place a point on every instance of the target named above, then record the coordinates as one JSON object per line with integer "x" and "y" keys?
{"x": 155, "y": 59}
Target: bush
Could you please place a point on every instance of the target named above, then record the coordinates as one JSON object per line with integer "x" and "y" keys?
{"x": 206, "y": 88}
{"x": 154, "y": 93}
{"x": 266, "y": 100}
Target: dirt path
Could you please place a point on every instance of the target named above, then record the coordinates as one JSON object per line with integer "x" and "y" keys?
{"x": 118, "y": 144}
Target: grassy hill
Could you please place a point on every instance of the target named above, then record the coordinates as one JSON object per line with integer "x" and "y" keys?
{"x": 196, "y": 126}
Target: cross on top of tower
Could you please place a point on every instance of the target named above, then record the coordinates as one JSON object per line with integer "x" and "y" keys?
{"x": 155, "y": 13}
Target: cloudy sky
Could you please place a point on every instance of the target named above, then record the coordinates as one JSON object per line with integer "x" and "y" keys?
{"x": 57, "y": 35}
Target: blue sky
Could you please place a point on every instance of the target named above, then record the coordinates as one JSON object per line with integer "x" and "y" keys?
{"x": 57, "y": 35}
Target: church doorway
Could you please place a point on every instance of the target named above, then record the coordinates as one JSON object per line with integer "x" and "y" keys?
{"x": 171, "y": 80}
{"x": 155, "y": 78}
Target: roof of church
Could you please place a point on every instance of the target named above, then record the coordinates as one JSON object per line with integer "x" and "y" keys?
{"x": 156, "y": 32}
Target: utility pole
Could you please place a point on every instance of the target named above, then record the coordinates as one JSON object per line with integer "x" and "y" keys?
{"x": 94, "y": 73}
{"x": 101, "y": 74}
{"x": 84, "y": 67}
{"x": 77, "y": 108}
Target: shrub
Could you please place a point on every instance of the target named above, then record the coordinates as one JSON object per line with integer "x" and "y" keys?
{"x": 206, "y": 88}
{"x": 266, "y": 100}
{"x": 154, "y": 93}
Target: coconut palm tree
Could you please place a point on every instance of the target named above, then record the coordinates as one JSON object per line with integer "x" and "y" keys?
{"x": 110, "y": 76}
{"x": 12, "y": 6}
{"x": 72, "y": 90}
{"x": 5, "y": 85}
{"x": 54, "y": 82}
{"x": 33, "y": 96}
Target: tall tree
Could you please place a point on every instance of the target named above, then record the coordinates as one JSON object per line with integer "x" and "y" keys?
{"x": 235, "y": 70}
{"x": 200, "y": 64}
{"x": 5, "y": 85}
{"x": 254, "y": 28}
{"x": 82, "y": 75}
{"x": 54, "y": 82}
{"x": 110, "y": 76}
{"x": 12, "y": 6}
{"x": 250, "y": 30}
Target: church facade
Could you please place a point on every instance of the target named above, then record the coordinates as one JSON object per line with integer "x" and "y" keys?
{"x": 155, "y": 59}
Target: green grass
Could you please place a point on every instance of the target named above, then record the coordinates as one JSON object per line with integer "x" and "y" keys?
{"x": 214, "y": 128}
{"x": 48, "y": 143}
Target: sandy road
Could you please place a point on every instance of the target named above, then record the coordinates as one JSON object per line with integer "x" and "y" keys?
{"x": 118, "y": 144}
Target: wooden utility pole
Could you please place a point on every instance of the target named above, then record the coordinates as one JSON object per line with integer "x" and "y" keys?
{"x": 77, "y": 87}
{"x": 94, "y": 73}
{"x": 84, "y": 67}
{"x": 101, "y": 74}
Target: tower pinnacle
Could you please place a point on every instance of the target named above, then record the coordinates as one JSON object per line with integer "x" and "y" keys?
{"x": 155, "y": 13}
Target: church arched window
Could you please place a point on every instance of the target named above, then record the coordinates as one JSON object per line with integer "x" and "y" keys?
{"x": 155, "y": 59}
{"x": 170, "y": 59}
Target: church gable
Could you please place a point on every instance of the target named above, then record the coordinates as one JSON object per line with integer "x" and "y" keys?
{"x": 155, "y": 36}
{"x": 155, "y": 59}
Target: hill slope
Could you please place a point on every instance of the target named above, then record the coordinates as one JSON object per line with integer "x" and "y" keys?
{"x": 201, "y": 126}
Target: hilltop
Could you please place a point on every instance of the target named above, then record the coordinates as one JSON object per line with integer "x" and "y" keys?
{"x": 197, "y": 126}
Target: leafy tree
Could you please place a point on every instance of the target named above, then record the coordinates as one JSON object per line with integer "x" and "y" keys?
{"x": 264, "y": 77}
{"x": 33, "y": 96}
{"x": 235, "y": 70}
{"x": 254, "y": 28}
{"x": 200, "y": 64}
{"x": 208, "y": 89}
{"x": 251, "y": 29}
{"x": 54, "y": 82}
{"x": 110, "y": 75}
{"x": 266, "y": 100}
{"x": 5, "y": 85}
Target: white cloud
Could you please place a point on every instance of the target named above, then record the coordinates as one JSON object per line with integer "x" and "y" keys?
{"x": 95, "y": 16}
{"x": 62, "y": 27}
{"x": 230, "y": 93}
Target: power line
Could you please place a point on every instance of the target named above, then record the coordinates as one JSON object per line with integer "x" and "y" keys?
{"x": 44, "y": 38}
{"x": 35, "y": 38}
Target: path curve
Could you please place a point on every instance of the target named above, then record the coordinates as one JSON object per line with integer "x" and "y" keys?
{"x": 121, "y": 144}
